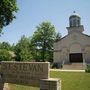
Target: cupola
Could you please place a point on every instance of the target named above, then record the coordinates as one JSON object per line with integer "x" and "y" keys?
{"x": 74, "y": 20}
{"x": 75, "y": 23}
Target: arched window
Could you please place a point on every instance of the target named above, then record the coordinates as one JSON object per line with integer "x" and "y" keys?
{"x": 78, "y": 21}
{"x": 71, "y": 23}
{"x": 74, "y": 22}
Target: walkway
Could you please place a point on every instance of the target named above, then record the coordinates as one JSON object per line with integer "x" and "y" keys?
{"x": 67, "y": 70}
{"x": 6, "y": 86}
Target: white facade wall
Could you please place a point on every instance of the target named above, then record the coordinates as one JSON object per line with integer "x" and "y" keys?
{"x": 74, "y": 42}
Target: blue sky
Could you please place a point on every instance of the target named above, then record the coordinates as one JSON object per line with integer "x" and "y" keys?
{"x": 33, "y": 12}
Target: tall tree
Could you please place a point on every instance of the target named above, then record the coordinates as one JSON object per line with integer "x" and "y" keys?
{"x": 7, "y": 11}
{"x": 43, "y": 40}
{"x": 22, "y": 50}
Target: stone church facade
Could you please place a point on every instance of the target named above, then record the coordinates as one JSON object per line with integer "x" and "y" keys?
{"x": 75, "y": 46}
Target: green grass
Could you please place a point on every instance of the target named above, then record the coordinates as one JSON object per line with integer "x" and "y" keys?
{"x": 69, "y": 81}
{"x": 20, "y": 87}
{"x": 73, "y": 80}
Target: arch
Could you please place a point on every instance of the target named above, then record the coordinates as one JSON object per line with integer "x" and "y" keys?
{"x": 76, "y": 53}
{"x": 76, "y": 48}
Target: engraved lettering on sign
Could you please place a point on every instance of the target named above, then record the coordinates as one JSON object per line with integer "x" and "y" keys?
{"x": 23, "y": 67}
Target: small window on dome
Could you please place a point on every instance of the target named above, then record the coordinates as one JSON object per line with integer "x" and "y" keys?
{"x": 71, "y": 23}
{"x": 78, "y": 21}
{"x": 74, "y": 22}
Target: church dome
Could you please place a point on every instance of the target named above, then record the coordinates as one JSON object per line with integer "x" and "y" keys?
{"x": 74, "y": 20}
{"x": 74, "y": 15}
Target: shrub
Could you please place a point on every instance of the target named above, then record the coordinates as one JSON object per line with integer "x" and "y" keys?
{"x": 87, "y": 68}
{"x": 5, "y": 55}
{"x": 57, "y": 65}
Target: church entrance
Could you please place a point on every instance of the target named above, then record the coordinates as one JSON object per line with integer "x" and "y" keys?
{"x": 76, "y": 57}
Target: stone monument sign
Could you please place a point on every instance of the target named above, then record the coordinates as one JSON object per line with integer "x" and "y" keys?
{"x": 25, "y": 73}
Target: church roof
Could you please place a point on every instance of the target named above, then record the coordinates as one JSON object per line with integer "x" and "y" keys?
{"x": 69, "y": 34}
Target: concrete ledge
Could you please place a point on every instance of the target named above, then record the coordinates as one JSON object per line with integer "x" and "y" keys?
{"x": 50, "y": 84}
{"x": 6, "y": 87}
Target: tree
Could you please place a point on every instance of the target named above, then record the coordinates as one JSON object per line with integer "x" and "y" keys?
{"x": 58, "y": 36}
{"x": 42, "y": 41}
{"x": 6, "y": 46}
{"x": 7, "y": 11}
{"x": 6, "y": 52}
{"x": 5, "y": 55}
{"x": 22, "y": 50}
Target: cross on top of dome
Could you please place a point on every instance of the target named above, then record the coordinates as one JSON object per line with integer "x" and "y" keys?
{"x": 74, "y": 11}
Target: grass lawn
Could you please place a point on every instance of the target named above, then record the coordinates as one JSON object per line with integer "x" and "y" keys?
{"x": 69, "y": 81}
{"x": 20, "y": 87}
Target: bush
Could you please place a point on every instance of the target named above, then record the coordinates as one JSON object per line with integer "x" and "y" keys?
{"x": 87, "y": 68}
{"x": 5, "y": 55}
{"x": 57, "y": 65}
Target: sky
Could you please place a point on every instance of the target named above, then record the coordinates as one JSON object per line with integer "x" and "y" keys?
{"x": 33, "y": 12}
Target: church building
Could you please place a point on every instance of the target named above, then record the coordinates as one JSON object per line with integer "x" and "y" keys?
{"x": 75, "y": 46}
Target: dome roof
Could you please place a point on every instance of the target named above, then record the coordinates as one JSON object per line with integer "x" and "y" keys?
{"x": 75, "y": 15}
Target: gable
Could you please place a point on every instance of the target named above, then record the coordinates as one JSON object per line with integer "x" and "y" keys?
{"x": 73, "y": 38}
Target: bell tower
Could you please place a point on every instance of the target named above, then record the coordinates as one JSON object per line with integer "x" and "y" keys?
{"x": 75, "y": 23}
